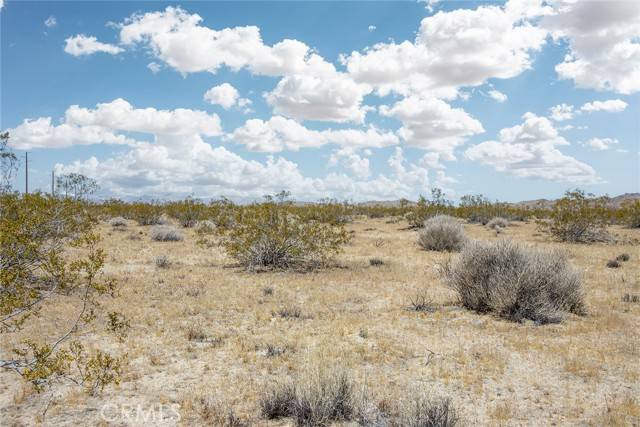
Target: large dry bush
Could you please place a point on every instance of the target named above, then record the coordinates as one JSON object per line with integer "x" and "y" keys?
{"x": 498, "y": 222}
{"x": 515, "y": 281}
{"x": 579, "y": 218}
{"x": 442, "y": 233}
{"x": 271, "y": 235}
{"x": 164, "y": 233}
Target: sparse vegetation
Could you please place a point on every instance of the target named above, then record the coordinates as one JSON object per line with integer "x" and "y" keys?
{"x": 425, "y": 412}
{"x": 515, "y": 282}
{"x": 270, "y": 235}
{"x": 612, "y": 263}
{"x": 623, "y": 257}
{"x": 442, "y": 233}
{"x": 163, "y": 261}
{"x": 498, "y": 222}
{"x": 317, "y": 398}
{"x": 375, "y": 262}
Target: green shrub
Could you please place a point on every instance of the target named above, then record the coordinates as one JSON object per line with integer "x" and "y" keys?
{"x": 629, "y": 214}
{"x": 187, "y": 212}
{"x": 425, "y": 209}
{"x": 515, "y": 282}
{"x": 145, "y": 213}
{"x": 36, "y": 269}
{"x": 578, "y": 218}
{"x": 269, "y": 235}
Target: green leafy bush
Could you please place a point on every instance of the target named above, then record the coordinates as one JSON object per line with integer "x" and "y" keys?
{"x": 35, "y": 270}
{"x": 578, "y": 218}
{"x": 629, "y": 214}
{"x": 270, "y": 235}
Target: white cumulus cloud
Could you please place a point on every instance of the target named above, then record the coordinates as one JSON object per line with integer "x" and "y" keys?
{"x": 603, "y": 41}
{"x": 562, "y": 112}
{"x": 83, "y": 45}
{"x": 610, "y": 106}
{"x": 530, "y": 150}
{"x": 226, "y": 96}
{"x": 432, "y": 124}
{"x": 601, "y": 144}
{"x": 279, "y": 133}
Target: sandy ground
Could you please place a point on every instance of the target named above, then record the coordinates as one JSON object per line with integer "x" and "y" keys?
{"x": 585, "y": 371}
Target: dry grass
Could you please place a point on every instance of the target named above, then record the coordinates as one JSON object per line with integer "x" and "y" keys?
{"x": 583, "y": 371}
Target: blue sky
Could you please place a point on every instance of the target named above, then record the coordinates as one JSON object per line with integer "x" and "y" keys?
{"x": 353, "y": 100}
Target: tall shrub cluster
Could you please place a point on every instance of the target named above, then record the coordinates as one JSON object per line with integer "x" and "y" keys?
{"x": 272, "y": 235}
{"x": 578, "y": 217}
{"x": 36, "y": 270}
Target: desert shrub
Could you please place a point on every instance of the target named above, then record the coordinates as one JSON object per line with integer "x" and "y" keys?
{"x": 425, "y": 412}
{"x": 425, "y": 209}
{"x": 498, "y": 222}
{"x": 188, "y": 212}
{"x": 118, "y": 222}
{"x": 442, "y": 233}
{"x": 612, "y": 263}
{"x": 290, "y": 312}
{"x": 316, "y": 398}
{"x": 629, "y": 214}
{"x": 515, "y": 282}
{"x": 375, "y": 262}
{"x": 163, "y": 233}
{"x": 627, "y": 297}
{"x": 623, "y": 257}
{"x": 163, "y": 261}
{"x": 36, "y": 269}
{"x": 578, "y": 218}
{"x": 421, "y": 302}
{"x": 145, "y": 213}
{"x": 269, "y": 235}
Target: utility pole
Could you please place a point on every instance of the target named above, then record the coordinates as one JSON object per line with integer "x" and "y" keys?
{"x": 53, "y": 188}
{"x": 26, "y": 173}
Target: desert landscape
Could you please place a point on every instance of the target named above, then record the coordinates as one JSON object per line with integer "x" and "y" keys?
{"x": 211, "y": 338}
{"x": 417, "y": 213}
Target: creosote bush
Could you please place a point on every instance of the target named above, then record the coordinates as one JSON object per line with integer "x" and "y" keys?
{"x": 270, "y": 236}
{"x": 165, "y": 234}
{"x": 578, "y": 218}
{"x": 36, "y": 269}
{"x": 515, "y": 282}
{"x": 442, "y": 233}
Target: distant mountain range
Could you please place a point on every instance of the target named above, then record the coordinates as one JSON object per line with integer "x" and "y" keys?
{"x": 615, "y": 202}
